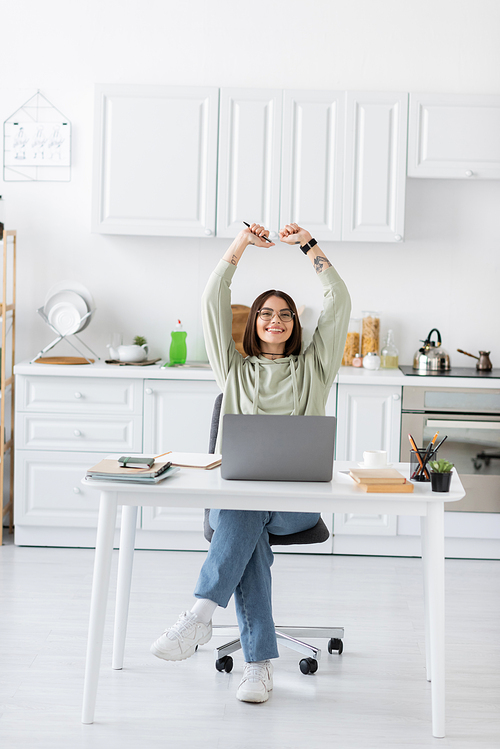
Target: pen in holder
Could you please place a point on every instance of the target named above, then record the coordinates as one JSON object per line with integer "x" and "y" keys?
{"x": 415, "y": 465}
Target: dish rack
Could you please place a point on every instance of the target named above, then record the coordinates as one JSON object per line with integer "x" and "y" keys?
{"x": 67, "y": 318}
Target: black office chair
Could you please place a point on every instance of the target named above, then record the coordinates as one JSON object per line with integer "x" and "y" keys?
{"x": 286, "y": 635}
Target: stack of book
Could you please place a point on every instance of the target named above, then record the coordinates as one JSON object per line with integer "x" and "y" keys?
{"x": 381, "y": 480}
{"x": 110, "y": 470}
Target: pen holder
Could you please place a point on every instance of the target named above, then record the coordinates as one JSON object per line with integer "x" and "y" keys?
{"x": 415, "y": 465}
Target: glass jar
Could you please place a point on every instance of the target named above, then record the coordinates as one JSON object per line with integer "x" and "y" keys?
{"x": 357, "y": 361}
{"x": 352, "y": 341}
{"x": 389, "y": 355}
{"x": 370, "y": 332}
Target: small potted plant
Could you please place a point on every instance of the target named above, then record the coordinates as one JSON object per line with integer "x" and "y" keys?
{"x": 440, "y": 475}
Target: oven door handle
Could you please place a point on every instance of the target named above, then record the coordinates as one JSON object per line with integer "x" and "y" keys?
{"x": 452, "y": 424}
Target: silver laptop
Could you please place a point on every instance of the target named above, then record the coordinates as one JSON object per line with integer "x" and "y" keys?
{"x": 277, "y": 448}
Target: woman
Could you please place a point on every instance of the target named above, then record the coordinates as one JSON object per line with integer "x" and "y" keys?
{"x": 275, "y": 378}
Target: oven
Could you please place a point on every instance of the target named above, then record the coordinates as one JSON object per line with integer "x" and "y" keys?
{"x": 470, "y": 418}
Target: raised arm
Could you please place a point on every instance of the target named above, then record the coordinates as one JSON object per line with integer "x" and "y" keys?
{"x": 253, "y": 235}
{"x": 294, "y": 234}
{"x": 327, "y": 345}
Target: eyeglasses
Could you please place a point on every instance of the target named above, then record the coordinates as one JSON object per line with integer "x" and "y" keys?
{"x": 267, "y": 314}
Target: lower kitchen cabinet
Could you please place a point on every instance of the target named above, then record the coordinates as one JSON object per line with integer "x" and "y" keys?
{"x": 369, "y": 418}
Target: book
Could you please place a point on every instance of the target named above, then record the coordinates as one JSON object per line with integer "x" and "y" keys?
{"x": 110, "y": 470}
{"x": 377, "y": 476}
{"x": 405, "y": 488}
{"x": 205, "y": 461}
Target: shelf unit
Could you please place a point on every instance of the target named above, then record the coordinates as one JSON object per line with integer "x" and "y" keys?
{"x": 8, "y": 316}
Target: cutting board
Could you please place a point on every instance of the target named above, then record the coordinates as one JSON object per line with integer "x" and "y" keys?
{"x": 240, "y": 316}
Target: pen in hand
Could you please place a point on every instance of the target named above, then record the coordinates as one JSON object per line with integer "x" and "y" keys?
{"x": 267, "y": 240}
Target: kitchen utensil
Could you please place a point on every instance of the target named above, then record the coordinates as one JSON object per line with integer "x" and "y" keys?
{"x": 65, "y": 310}
{"x": 80, "y": 289}
{"x": 483, "y": 360}
{"x": 131, "y": 353}
{"x": 431, "y": 356}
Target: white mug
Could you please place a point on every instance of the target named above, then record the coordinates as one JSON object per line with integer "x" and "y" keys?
{"x": 375, "y": 458}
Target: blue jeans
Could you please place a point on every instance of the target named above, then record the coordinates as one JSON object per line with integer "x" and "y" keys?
{"x": 239, "y": 561}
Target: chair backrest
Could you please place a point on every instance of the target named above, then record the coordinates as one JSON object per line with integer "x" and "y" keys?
{"x": 315, "y": 535}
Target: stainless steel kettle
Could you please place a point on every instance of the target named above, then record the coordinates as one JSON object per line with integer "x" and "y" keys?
{"x": 431, "y": 357}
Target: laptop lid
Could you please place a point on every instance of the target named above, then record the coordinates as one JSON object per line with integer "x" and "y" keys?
{"x": 261, "y": 447}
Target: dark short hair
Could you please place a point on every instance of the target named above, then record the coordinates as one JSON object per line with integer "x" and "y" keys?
{"x": 251, "y": 341}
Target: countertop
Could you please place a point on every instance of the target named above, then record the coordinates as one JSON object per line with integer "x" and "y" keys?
{"x": 194, "y": 371}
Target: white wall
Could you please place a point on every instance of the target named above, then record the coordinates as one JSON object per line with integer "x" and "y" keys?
{"x": 445, "y": 275}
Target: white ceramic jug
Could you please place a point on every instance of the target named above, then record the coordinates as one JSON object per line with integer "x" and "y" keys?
{"x": 132, "y": 353}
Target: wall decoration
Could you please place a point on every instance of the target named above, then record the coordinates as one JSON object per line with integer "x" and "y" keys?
{"x": 37, "y": 143}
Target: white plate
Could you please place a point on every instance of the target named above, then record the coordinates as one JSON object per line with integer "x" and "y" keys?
{"x": 65, "y": 318}
{"x": 79, "y": 288}
{"x": 67, "y": 296}
{"x": 386, "y": 465}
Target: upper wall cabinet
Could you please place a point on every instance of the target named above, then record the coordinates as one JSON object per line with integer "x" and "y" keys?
{"x": 375, "y": 167}
{"x": 454, "y": 136}
{"x": 249, "y": 159}
{"x": 311, "y": 170}
{"x": 155, "y": 160}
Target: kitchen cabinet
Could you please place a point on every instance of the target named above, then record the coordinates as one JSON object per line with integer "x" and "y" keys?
{"x": 249, "y": 159}
{"x": 454, "y": 136}
{"x": 282, "y": 156}
{"x": 375, "y": 167}
{"x": 64, "y": 425}
{"x": 368, "y": 418}
{"x": 177, "y": 415}
{"x": 155, "y": 160}
{"x": 312, "y": 161}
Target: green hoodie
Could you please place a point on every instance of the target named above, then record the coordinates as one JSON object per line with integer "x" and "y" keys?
{"x": 292, "y": 385}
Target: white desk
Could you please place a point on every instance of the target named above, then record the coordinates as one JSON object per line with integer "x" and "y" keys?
{"x": 195, "y": 488}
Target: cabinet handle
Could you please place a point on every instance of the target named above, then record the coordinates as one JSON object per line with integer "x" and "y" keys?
{"x": 148, "y": 391}
{"x": 398, "y": 237}
{"x": 76, "y": 490}
{"x": 208, "y": 232}
{"x": 78, "y": 395}
{"x": 77, "y": 433}
{"x": 468, "y": 173}
{"x": 395, "y": 396}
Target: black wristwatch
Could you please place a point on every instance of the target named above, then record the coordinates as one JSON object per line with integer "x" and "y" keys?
{"x": 306, "y": 247}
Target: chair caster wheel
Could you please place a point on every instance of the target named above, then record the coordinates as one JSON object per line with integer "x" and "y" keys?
{"x": 308, "y": 665}
{"x": 335, "y": 644}
{"x": 224, "y": 664}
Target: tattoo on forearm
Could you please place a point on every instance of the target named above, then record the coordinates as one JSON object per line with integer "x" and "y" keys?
{"x": 234, "y": 260}
{"x": 321, "y": 263}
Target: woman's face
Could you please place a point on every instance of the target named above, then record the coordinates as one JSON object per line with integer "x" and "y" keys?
{"x": 274, "y": 331}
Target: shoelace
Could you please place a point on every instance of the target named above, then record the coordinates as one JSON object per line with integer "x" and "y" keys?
{"x": 185, "y": 622}
{"x": 254, "y": 672}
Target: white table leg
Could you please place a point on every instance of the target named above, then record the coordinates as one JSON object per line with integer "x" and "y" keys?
{"x": 125, "y": 563}
{"x": 100, "y": 587}
{"x": 425, "y": 562}
{"x": 434, "y": 585}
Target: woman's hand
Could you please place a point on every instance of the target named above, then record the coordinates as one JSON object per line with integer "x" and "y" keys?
{"x": 255, "y": 234}
{"x": 294, "y": 234}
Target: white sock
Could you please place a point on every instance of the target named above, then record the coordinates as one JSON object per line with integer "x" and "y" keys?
{"x": 204, "y": 609}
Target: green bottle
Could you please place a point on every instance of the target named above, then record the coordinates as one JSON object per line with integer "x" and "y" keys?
{"x": 178, "y": 349}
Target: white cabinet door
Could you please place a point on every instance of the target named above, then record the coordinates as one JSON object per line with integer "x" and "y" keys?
{"x": 452, "y": 135}
{"x": 249, "y": 159}
{"x": 177, "y": 416}
{"x": 311, "y": 173}
{"x": 375, "y": 167}
{"x": 155, "y": 160}
{"x": 369, "y": 418}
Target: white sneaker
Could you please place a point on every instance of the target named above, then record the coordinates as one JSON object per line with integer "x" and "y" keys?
{"x": 256, "y": 683}
{"x": 181, "y": 641}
